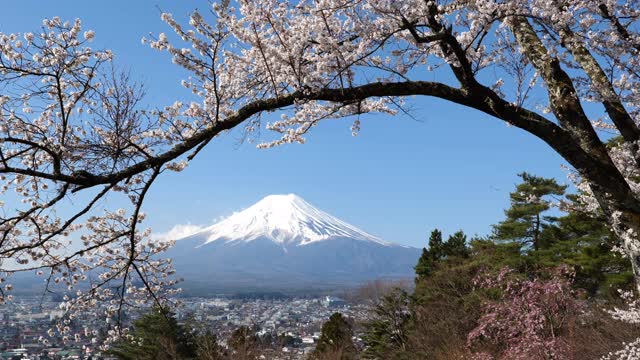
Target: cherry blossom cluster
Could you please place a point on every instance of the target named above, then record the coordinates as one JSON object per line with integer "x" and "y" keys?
{"x": 66, "y": 120}
{"x": 529, "y": 321}
{"x": 254, "y": 50}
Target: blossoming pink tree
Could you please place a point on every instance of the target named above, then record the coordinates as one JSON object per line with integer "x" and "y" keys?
{"x": 74, "y": 130}
{"x": 530, "y": 322}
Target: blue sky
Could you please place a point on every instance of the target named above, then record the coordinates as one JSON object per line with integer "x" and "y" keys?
{"x": 450, "y": 167}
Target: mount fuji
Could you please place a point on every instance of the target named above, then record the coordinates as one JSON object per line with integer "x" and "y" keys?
{"x": 283, "y": 243}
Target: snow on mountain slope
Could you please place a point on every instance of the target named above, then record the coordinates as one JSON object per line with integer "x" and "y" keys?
{"x": 286, "y": 220}
{"x": 284, "y": 243}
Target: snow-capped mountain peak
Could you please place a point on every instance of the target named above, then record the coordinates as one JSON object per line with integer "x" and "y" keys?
{"x": 285, "y": 219}
{"x": 283, "y": 242}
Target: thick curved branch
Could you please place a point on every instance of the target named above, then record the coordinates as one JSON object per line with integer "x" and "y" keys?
{"x": 481, "y": 98}
{"x": 563, "y": 97}
{"x": 612, "y": 103}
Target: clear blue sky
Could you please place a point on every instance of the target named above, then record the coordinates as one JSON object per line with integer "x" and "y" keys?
{"x": 452, "y": 168}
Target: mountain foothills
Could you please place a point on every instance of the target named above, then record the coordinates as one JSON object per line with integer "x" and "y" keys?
{"x": 284, "y": 243}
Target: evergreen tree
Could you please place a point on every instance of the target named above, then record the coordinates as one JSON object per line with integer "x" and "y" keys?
{"x": 431, "y": 255}
{"x": 456, "y": 245}
{"x": 386, "y": 334}
{"x": 436, "y": 245}
{"x": 157, "y": 336}
{"x": 525, "y": 220}
{"x": 574, "y": 238}
{"x": 336, "y": 340}
{"x": 438, "y": 250}
{"x": 585, "y": 242}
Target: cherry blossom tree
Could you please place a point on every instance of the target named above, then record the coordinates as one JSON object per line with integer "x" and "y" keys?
{"x": 69, "y": 123}
{"x": 317, "y": 60}
{"x": 530, "y": 322}
{"x": 75, "y": 131}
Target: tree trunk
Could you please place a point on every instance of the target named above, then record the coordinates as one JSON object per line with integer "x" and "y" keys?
{"x": 536, "y": 233}
{"x": 626, "y": 225}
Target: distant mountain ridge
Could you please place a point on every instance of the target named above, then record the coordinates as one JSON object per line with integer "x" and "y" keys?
{"x": 284, "y": 243}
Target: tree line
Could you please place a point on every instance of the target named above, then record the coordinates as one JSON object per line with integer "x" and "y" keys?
{"x": 538, "y": 287}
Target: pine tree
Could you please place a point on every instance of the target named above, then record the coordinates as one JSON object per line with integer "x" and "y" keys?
{"x": 157, "y": 336}
{"x": 525, "y": 220}
{"x": 456, "y": 245}
{"x": 436, "y": 246}
{"x": 336, "y": 340}
{"x": 574, "y": 238}
{"x": 429, "y": 256}
{"x": 386, "y": 333}
{"x": 585, "y": 242}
